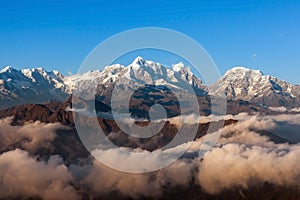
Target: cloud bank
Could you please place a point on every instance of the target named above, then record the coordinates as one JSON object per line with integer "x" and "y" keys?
{"x": 22, "y": 176}
{"x": 30, "y": 136}
{"x": 243, "y": 158}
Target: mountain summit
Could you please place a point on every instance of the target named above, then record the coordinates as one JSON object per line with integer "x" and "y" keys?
{"x": 139, "y": 61}
{"x": 254, "y": 86}
{"x": 141, "y": 72}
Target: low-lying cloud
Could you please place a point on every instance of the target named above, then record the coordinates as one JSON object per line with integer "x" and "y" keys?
{"x": 102, "y": 180}
{"x": 237, "y": 165}
{"x": 30, "y": 136}
{"x": 244, "y": 157}
{"x": 22, "y": 176}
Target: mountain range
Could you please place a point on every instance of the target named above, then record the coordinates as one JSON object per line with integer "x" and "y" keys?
{"x": 254, "y": 140}
{"x": 39, "y": 86}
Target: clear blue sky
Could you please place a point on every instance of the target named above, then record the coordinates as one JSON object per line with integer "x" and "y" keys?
{"x": 58, "y": 35}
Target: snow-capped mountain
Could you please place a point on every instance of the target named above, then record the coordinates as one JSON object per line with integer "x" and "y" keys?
{"x": 139, "y": 71}
{"x": 38, "y": 86}
{"x": 149, "y": 72}
{"x": 254, "y": 86}
{"x": 30, "y": 86}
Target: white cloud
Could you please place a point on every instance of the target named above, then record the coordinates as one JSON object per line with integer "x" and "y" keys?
{"x": 102, "y": 180}
{"x": 24, "y": 176}
{"x": 30, "y": 136}
{"x": 240, "y": 165}
{"x": 243, "y": 158}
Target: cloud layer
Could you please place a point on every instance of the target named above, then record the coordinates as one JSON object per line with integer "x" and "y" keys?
{"x": 244, "y": 157}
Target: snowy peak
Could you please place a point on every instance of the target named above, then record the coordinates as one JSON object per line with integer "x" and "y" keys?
{"x": 7, "y": 69}
{"x": 254, "y": 86}
{"x": 148, "y": 72}
{"x": 238, "y": 83}
{"x": 37, "y": 85}
{"x": 178, "y": 67}
{"x": 243, "y": 71}
{"x": 30, "y": 86}
{"x": 139, "y": 61}
{"x": 139, "y": 72}
{"x": 29, "y": 73}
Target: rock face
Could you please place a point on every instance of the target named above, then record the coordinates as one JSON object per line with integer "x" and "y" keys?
{"x": 254, "y": 86}
{"x": 46, "y": 113}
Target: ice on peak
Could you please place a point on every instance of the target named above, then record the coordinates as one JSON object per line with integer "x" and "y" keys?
{"x": 139, "y": 61}
{"x": 54, "y": 74}
{"x": 239, "y": 68}
{"x": 243, "y": 69}
{"x": 30, "y": 70}
{"x": 178, "y": 67}
{"x": 6, "y": 69}
{"x": 112, "y": 67}
{"x": 138, "y": 58}
{"x": 57, "y": 73}
{"x": 39, "y": 69}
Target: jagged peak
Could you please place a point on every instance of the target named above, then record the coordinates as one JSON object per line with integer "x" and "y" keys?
{"x": 139, "y": 61}
{"x": 7, "y": 69}
{"x": 112, "y": 67}
{"x": 38, "y": 69}
{"x": 178, "y": 66}
{"x": 55, "y": 72}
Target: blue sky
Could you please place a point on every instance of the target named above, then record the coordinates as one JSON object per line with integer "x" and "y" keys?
{"x": 58, "y": 35}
